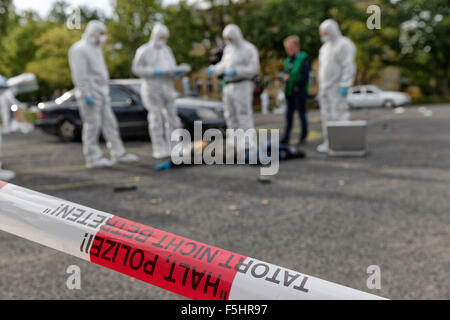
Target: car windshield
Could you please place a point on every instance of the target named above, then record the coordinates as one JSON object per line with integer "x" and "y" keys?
{"x": 136, "y": 87}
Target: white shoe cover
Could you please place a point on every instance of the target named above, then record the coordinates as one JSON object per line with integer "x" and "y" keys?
{"x": 127, "y": 158}
{"x": 323, "y": 148}
{"x": 100, "y": 163}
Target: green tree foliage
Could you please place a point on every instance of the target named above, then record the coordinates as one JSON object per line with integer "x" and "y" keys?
{"x": 413, "y": 35}
{"x": 424, "y": 41}
{"x": 62, "y": 10}
{"x": 6, "y": 9}
{"x": 186, "y": 31}
{"x": 59, "y": 12}
{"x": 268, "y": 23}
{"x": 373, "y": 49}
{"x": 51, "y": 65}
{"x": 8, "y": 20}
{"x": 129, "y": 28}
{"x": 19, "y": 47}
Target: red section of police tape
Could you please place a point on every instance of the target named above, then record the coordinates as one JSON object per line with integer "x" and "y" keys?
{"x": 183, "y": 266}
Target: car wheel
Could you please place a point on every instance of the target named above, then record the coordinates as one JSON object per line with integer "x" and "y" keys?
{"x": 67, "y": 131}
{"x": 388, "y": 104}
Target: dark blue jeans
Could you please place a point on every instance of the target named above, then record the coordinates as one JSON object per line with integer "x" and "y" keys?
{"x": 296, "y": 102}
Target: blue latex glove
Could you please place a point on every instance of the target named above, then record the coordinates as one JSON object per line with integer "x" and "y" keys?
{"x": 231, "y": 73}
{"x": 159, "y": 73}
{"x": 164, "y": 166}
{"x": 210, "y": 71}
{"x": 89, "y": 101}
{"x": 3, "y": 82}
{"x": 343, "y": 91}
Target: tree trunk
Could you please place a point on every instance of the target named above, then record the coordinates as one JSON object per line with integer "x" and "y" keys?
{"x": 445, "y": 89}
{"x": 364, "y": 76}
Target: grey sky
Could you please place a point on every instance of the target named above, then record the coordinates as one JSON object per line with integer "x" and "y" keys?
{"x": 43, "y": 6}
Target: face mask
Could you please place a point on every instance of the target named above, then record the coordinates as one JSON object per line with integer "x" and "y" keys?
{"x": 160, "y": 43}
{"x": 102, "y": 39}
{"x": 325, "y": 38}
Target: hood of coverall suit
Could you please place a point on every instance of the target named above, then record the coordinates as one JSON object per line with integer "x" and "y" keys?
{"x": 332, "y": 29}
{"x": 233, "y": 32}
{"x": 93, "y": 29}
{"x": 159, "y": 30}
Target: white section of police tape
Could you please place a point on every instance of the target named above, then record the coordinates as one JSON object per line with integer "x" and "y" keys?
{"x": 81, "y": 231}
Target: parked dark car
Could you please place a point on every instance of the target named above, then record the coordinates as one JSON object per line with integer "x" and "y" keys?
{"x": 61, "y": 117}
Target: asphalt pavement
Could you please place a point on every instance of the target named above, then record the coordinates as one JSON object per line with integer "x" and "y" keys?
{"x": 327, "y": 217}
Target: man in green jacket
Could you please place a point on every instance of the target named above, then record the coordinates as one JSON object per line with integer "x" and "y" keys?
{"x": 296, "y": 76}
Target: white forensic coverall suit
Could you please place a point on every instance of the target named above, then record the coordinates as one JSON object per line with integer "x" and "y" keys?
{"x": 265, "y": 101}
{"x": 7, "y": 99}
{"x": 5, "y": 175}
{"x": 337, "y": 69}
{"x": 239, "y": 65}
{"x": 91, "y": 79}
{"x": 155, "y": 64}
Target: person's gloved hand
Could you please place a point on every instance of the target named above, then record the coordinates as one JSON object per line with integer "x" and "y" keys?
{"x": 210, "y": 71}
{"x": 343, "y": 91}
{"x": 3, "y": 82}
{"x": 178, "y": 74}
{"x": 231, "y": 72}
{"x": 159, "y": 73}
{"x": 89, "y": 101}
{"x": 164, "y": 166}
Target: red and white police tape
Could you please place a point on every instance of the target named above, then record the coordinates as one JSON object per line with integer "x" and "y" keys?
{"x": 186, "y": 267}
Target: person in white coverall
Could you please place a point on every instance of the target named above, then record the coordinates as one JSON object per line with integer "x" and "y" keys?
{"x": 91, "y": 79}
{"x": 337, "y": 71}
{"x": 7, "y": 99}
{"x": 5, "y": 175}
{"x": 239, "y": 65}
{"x": 155, "y": 63}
